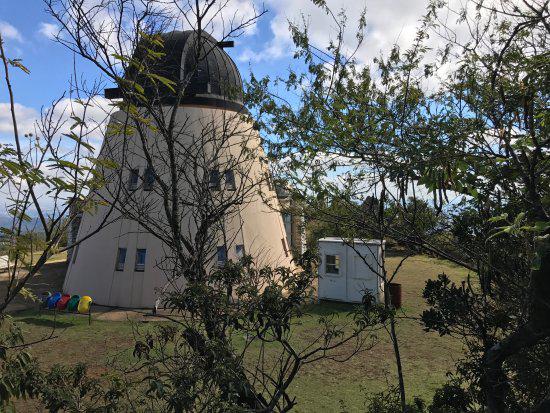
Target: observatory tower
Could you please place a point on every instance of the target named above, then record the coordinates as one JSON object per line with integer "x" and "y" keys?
{"x": 127, "y": 263}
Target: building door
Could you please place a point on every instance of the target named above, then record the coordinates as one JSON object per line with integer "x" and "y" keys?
{"x": 361, "y": 277}
{"x": 333, "y": 272}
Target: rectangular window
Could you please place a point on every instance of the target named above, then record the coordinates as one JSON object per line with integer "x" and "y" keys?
{"x": 120, "y": 259}
{"x": 230, "y": 180}
{"x": 148, "y": 179}
{"x": 140, "y": 259}
{"x": 222, "y": 256}
{"x": 284, "y": 246}
{"x": 332, "y": 264}
{"x": 268, "y": 181}
{"x": 239, "y": 251}
{"x": 133, "y": 179}
{"x": 75, "y": 253}
{"x": 214, "y": 180}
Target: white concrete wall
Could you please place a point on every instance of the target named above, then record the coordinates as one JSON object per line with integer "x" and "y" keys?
{"x": 255, "y": 224}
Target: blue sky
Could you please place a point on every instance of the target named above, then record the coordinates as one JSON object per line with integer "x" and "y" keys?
{"x": 24, "y": 24}
{"x": 266, "y": 47}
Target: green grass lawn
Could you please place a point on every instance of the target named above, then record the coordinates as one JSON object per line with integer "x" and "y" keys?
{"x": 323, "y": 386}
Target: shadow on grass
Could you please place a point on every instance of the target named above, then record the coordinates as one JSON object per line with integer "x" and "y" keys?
{"x": 326, "y": 307}
{"x": 46, "y": 322}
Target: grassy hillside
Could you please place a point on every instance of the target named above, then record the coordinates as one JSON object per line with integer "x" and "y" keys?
{"x": 324, "y": 386}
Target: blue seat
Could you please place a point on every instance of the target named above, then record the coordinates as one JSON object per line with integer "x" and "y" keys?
{"x": 52, "y": 301}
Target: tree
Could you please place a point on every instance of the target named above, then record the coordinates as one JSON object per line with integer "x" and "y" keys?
{"x": 480, "y": 136}
{"x": 44, "y": 173}
{"x": 194, "y": 363}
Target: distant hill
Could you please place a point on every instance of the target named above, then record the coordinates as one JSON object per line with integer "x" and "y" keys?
{"x": 6, "y": 222}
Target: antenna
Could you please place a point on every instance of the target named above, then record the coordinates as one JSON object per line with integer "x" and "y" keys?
{"x": 225, "y": 43}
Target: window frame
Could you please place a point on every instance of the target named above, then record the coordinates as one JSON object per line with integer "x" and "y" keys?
{"x": 133, "y": 179}
{"x": 285, "y": 246}
{"x": 214, "y": 184}
{"x": 119, "y": 265}
{"x": 148, "y": 179}
{"x": 140, "y": 267}
{"x": 75, "y": 252}
{"x": 229, "y": 178}
{"x": 239, "y": 254}
{"x": 219, "y": 249}
{"x": 334, "y": 266}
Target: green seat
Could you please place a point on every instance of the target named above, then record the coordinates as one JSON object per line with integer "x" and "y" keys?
{"x": 72, "y": 305}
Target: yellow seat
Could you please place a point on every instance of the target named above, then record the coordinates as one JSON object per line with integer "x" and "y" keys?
{"x": 84, "y": 304}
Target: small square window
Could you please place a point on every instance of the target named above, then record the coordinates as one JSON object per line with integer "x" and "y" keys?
{"x": 222, "y": 255}
{"x": 133, "y": 179}
{"x": 332, "y": 264}
{"x": 120, "y": 259}
{"x": 230, "y": 180}
{"x": 140, "y": 260}
{"x": 148, "y": 179}
{"x": 214, "y": 180}
{"x": 239, "y": 251}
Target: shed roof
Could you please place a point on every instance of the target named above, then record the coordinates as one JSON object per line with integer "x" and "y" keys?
{"x": 341, "y": 240}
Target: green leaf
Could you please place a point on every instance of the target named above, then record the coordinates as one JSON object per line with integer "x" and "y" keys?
{"x": 165, "y": 81}
{"x": 14, "y": 167}
{"x": 502, "y": 217}
{"x": 17, "y": 63}
{"x": 79, "y": 140}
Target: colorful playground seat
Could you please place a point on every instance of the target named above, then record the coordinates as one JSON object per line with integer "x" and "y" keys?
{"x": 44, "y": 297}
{"x": 63, "y": 301}
{"x": 52, "y": 301}
{"x": 72, "y": 305}
{"x": 84, "y": 304}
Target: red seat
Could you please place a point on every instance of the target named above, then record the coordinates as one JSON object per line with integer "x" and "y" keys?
{"x": 62, "y": 303}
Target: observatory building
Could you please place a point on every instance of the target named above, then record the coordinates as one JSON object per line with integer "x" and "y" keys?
{"x": 218, "y": 157}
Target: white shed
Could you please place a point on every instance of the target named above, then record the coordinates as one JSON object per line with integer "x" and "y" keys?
{"x": 348, "y": 268}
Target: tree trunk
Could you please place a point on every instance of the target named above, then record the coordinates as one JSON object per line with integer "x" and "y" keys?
{"x": 537, "y": 328}
{"x": 399, "y": 366}
{"x": 395, "y": 343}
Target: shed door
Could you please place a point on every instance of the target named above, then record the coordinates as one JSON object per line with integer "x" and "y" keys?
{"x": 360, "y": 275}
{"x": 332, "y": 284}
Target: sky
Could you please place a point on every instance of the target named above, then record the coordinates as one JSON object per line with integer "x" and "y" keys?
{"x": 265, "y": 48}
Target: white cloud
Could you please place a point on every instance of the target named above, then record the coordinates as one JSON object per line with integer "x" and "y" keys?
{"x": 96, "y": 117}
{"x": 48, "y": 30}
{"x": 25, "y": 115}
{"x": 387, "y": 23}
{"x": 10, "y": 32}
{"x": 222, "y": 18}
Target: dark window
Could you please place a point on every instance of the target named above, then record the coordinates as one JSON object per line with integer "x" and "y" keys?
{"x": 214, "y": 180}
{"x": 148, "y": 179}
{"x": 239, "y": 251}
{"x": 133, "y": 179}
{"x": 222, "y": 256}
{"x": 75, "y": 253}
{"x": 268, "y": 181}
{"x": 140, "y": 259}
{"x": 230, "y": 180}
{"x": 284, "y": 246}
{"x": 332, "y": 264}
{"x": 120, "y": 259}
{"x": 287, "y": 218}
